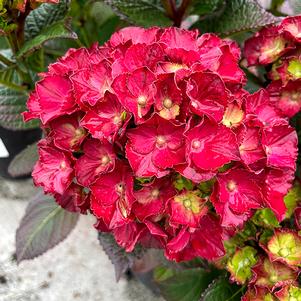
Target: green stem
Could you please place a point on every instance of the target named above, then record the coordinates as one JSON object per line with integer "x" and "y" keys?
{"x": 236, "y": 293}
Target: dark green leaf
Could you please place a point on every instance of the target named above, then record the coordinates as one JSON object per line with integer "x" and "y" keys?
{"x": 141, "y": 12}
{"x": 56, "y": 30}
{"x": 12, "y": 104}
{"x": 43, "y": 226}
{"x": 121, "y": 260}
{"x": 7, "y": 68}
{"x": 36, "y": 61}
{"x": 221, "y": 290}
{"x": 24, "y": 162}
{"x": 107, "y": 29}
{"x": 184, "y": 285}
{"x": 238, "y": 15}
{"x": 206, "y": 7}
{"x": 13, "y": 95}
{"x": 44, "y": 16}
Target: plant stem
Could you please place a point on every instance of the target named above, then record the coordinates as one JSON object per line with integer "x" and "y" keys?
{"x": 236, "y": 293}
{"x": 175, "y": 13}
{"x": 181, "y": 12}
{"x": 169, "y": 6}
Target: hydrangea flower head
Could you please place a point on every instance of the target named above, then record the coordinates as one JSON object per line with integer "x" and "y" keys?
{"x": 126, "y": 122}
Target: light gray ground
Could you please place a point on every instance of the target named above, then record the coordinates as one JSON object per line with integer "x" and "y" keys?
{"x": 77, "y": 269}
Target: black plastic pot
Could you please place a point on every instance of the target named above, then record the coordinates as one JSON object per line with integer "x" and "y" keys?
{"x": 12, "y": 143}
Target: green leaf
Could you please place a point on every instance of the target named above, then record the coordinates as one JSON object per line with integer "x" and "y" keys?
{"x": 141, "y": 12}
{"x": 292, "y": 199}
{"x": 238, "y": 15}
{"x": 162, "y": 273}
{"x": 184, "y": 285}
{"x": 43, "y": 226}
{"x": 7, "y": 69}
{"x": 24, "y": 162}
{"x": 221, "y": 289}
{"x": 56, "y": 30}
{"x": 101, "y": 12}
{"x": 206, "y": 6}
{"x": 12, "y": 104}
{"x": 44, "y": 16}
{"x": 121, "y": 260}
{"x": 295, "y": 6}
{"x": 36, "y": 61}
{"x": 13, "y": 95}
{"x": 105, "y": 31}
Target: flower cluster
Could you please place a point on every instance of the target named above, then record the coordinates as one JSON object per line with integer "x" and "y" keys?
{"x": 150, "y": 130}
{"x": 273, "y": 275}
{"x": 278, "y": 48}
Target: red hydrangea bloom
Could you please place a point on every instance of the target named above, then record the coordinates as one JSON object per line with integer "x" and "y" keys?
{"x": 210, "y": 146}
{"x": 267, "y": 46}
{"x": 138, "y": 56}
{"x": 90, "y": 85}
{"x": 276, "y": 186}
{"x": 260, "y": 110}
{"x": 292, "y": 27}
{"x": 52, "y": 98}
{"x": 74, "y": 199}
{"x": 250, "y": 147}
{"x": 135, "y": 91}
{"x": 98, "y": 158}
{"x": 152, "y": 199}
{"x": 257, "y": 294}
{"x": 287, "y": 69}
{"x": 267, "y": 274}
{"x": 67, "y": 133}
{"x": 134, "y": 35}
{"x": 113, "y": 191}
{"x": 187, "y": 208}
{"x": 236, "y": 192}
{"x": 53, "y": 171}
{"x": 286, "y": 98}
{"x": 178, "y": 38}
{"x": 150, "y": 130}
{"x": 288, "y": 292}
{"x": 155, "y": 146}
{"x": 107, "y": 119}
{"x": 204, "y": 241}
{"x": 280, "y": 145}
{"x": 168, "y": 98}
{"x": 279, "y": 47}
{"x": 208, "y": 95}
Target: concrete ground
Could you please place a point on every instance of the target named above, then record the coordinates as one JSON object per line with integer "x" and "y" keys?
{"x": 77, "y": 269}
